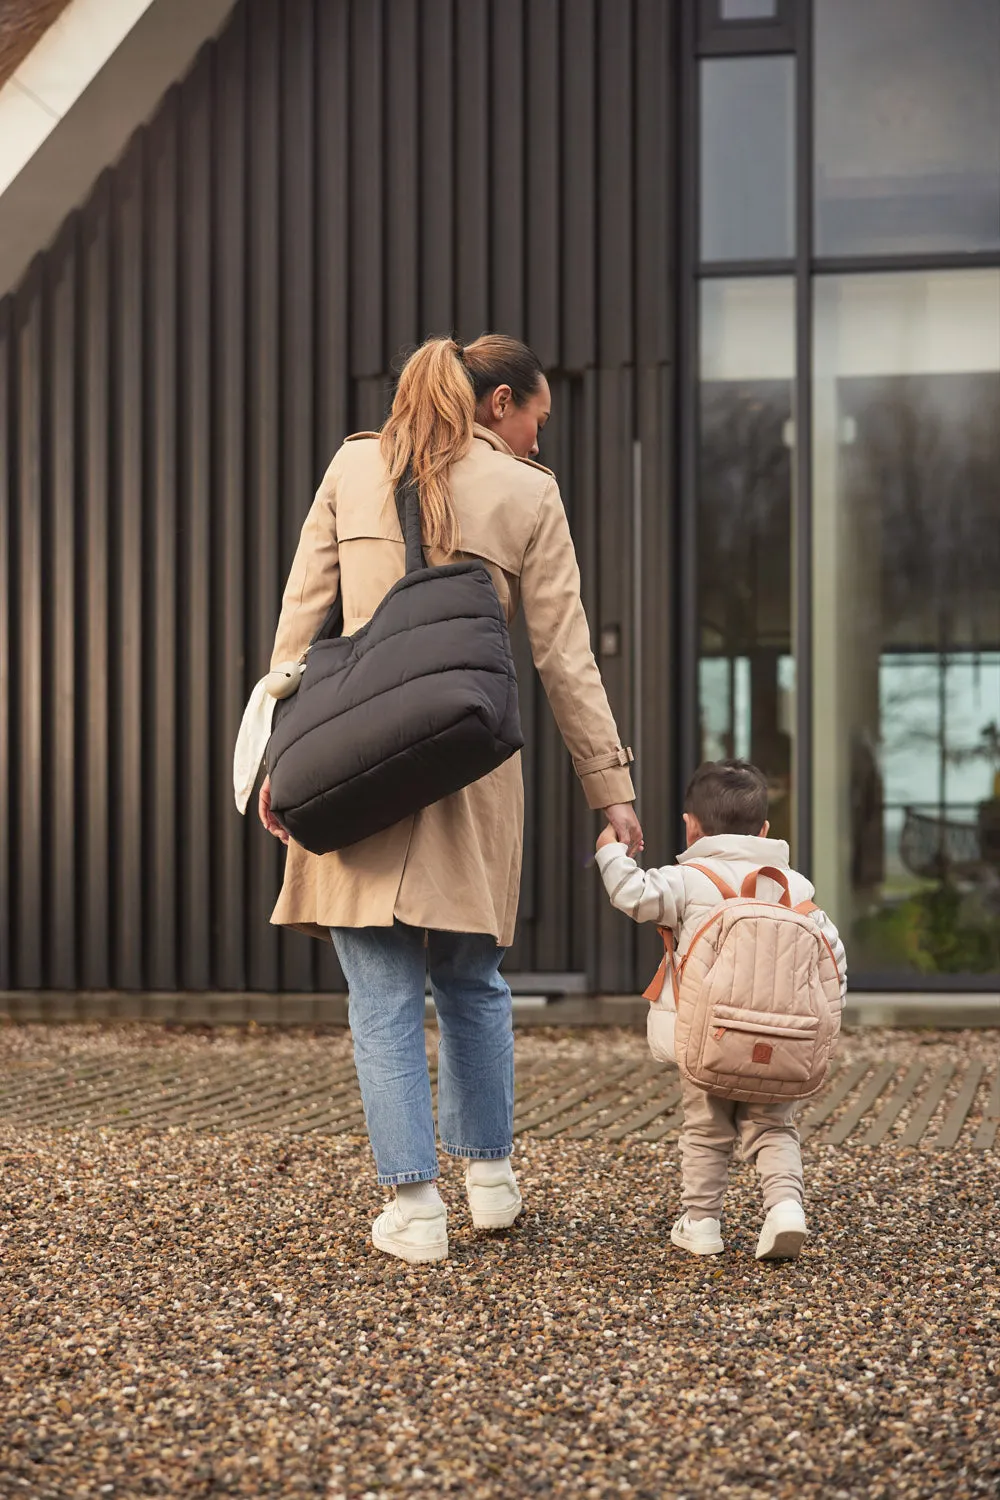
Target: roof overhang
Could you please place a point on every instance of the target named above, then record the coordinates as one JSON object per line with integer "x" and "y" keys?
{"x": 70, "y": 106}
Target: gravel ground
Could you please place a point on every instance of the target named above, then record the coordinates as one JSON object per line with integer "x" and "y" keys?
{"x": 185, "y": 1314}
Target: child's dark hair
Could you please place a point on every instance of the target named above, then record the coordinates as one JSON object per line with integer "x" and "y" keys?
{"x": 727, "y": 796}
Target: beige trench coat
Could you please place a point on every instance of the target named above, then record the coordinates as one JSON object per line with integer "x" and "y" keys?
{"x": 457, "y": 864}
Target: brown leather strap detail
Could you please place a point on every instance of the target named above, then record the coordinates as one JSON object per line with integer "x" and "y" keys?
{"x": 806, "y": 908}
{"x": 748, "y": 890}
{"x": 725, "y": 891}
{"x": 654, "y": 989}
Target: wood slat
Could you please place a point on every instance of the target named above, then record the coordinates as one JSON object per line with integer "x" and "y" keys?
{"x": 665, "y": 1126}
{"x": 921, "y": 1117}
{"x": 62, "y": 852}
{"x": 843, "y": 1081}
{"x": 955, "y": 1119}
{"x": 646, "y": 1116}
{"x": 886, "y": 1118}
{"x": 160, "y": 627}
{"x": 990, "y": 1123}
{"x": 871, "y": 1091}
{"x": 651, "y": 1084}
{"x": 564, "y": 1102}
{"x": 94, "y": 406}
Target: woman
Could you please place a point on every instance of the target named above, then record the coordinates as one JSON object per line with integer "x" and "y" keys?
{"x": 440, "y": 889}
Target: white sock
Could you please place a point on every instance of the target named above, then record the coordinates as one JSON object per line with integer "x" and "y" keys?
{"x": 490, "y": 1170}
{"x": 419, "y": 1195}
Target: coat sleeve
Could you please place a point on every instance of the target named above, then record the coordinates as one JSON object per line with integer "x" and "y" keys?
{"x": 836, "y": 942}
{"x": 644, "y": 895}
{"x": 314, "y": 578}
{"x": 560, "y": 646}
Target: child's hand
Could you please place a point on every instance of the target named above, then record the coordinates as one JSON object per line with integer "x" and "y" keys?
{"x": 608, "y": 836}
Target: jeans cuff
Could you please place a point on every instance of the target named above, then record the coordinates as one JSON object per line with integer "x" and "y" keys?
{"x": 479, "y": 1153}
{"x": 395, "y": 1179}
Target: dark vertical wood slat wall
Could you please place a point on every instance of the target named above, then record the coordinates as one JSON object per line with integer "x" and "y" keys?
{"x": 331, "y": 183}
{"x": 160, "y": 736}
{"x": 401, "y": 170}
{"x": 61, "y": 707}
{"x": 577, "y": 187}
{"x": 297, "y": 334}
{"x": 437, "y": 226}
{"x": 94, "y": 790}
{"x": 264, "y": 441}
{"x": 32, "y": 761}
{"x": 128, "y": 854}
{"x": 506, "y": 166}
{"x": 194, "y": 803}
{"x": 542, "y": 178}
{"x": 230, "y": 675}
{"x": 472, "y": 184}
{"x": 7, "y": 699}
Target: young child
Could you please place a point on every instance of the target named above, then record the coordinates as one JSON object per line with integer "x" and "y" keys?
{"x": 727, "y": 831}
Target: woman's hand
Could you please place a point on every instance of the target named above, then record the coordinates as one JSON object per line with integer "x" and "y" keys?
{"x": 265, "y": 814}
{"x": 627, "y": 829}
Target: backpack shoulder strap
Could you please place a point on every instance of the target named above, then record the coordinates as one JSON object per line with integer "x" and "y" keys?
{"x": 654, "y": 989}
{"x": 725, "y": 891}
{"x": 806, "y": 908}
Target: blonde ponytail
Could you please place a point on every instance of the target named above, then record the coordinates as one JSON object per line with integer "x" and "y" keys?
{"x": 430, "y": 426}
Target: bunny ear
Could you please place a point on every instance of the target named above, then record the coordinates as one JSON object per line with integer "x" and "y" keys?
{"x": 255, "y": 729}
{"x": 284, "y": 680}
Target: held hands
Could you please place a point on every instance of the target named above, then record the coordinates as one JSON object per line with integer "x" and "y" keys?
{"x": 265, "y": 814}
{"x": 624, "y": 828}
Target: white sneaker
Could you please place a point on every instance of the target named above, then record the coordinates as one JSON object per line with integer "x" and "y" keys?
{"x": 700, "y": 1236}
{"x": 493, "y": 1194}
{"x": 417, "y": 1235}
{"x": 784, "y": 1231}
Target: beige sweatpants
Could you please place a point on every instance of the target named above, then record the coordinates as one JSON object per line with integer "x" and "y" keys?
{"x": 711, "y": 1128}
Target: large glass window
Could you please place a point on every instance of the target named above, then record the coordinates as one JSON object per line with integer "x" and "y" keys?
{"x": 747, "y": 158}
{"x": 907, "y": 126}
{"x": 745, "y": 670}
{"x": 906, "y": 591}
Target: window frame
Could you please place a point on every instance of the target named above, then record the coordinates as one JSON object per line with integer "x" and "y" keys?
{"x": 702, "y": 33}
{"x": 720, "y": 38}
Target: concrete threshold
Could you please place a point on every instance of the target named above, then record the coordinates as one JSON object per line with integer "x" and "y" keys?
{"x": 899, "y": 1010}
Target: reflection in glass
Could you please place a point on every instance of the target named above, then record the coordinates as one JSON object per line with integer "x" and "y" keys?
{"x": 906, "y": 580}
{"x": 907, "y": 123}
{"x": 746, "y": 671}
{"x": 747, "y": 158}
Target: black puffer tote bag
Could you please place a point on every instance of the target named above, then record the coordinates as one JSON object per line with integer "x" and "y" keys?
{"x": 420, "y": 702}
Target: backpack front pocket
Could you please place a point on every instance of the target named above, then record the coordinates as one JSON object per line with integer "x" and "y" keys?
{"x": 755, "y": 1044}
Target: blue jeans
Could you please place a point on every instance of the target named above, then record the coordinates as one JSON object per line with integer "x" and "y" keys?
{"x": 385, "y": 970}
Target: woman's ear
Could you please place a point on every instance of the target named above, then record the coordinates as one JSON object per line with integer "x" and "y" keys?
{"x": 500, "y": 400}
{"x": 765, "y": 830}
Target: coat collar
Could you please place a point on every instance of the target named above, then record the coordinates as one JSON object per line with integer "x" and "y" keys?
{"x": 737, "y": 848}
{"x": 491, "y": 438}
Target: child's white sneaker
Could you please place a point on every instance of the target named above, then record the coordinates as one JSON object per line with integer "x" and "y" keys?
{"x": 417, "y": 1233}
{"x": 493, "y": 1193}
{"x": 784, "y": 1231}
{"x": 700, "y": 1236}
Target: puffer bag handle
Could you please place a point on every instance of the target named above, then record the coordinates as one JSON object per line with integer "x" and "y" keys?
{"x": 748, "y": 890}
{"x": 408, "y": 511}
